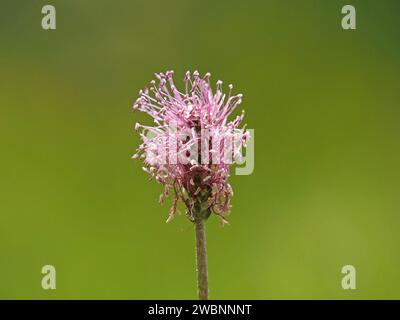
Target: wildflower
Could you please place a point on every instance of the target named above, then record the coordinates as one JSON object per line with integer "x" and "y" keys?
{"x": 190, "y": 149}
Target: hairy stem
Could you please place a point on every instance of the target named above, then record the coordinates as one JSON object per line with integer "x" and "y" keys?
{"x": 201, "y": 256}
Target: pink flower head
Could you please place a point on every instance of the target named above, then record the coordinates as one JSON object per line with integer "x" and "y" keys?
{"x": 191, "y": 146}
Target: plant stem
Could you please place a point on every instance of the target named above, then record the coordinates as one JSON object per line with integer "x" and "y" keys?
{"x": 201, "y": 257}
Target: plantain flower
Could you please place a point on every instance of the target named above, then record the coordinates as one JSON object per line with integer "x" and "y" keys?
{"x": 192, "y": 145}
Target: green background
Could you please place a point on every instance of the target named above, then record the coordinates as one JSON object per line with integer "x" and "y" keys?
{"x": 324, "y": 103}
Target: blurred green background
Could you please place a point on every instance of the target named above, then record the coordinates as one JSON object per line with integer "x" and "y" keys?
{"x": 324, "y": 104}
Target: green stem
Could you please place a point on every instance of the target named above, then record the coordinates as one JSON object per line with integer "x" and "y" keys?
{"x": 201, "y": 257}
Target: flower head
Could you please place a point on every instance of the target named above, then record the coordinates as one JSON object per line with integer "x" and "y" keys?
{"x": 191, "y": 146}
